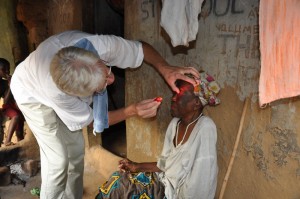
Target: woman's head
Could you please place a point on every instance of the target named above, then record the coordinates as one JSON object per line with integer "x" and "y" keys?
{"x": 192, "y": 99}
{"x": 207, "y": 90}
{"x": 185, "y": 102}
{"x": 78, "y": 72}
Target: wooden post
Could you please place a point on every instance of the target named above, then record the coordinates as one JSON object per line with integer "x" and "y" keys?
{"x": 234, "y": 150}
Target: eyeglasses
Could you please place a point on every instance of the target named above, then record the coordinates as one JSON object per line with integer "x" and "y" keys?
{"x": 104, "y": 88}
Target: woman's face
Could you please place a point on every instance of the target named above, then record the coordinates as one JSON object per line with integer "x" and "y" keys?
{"x": 183, "y": 102}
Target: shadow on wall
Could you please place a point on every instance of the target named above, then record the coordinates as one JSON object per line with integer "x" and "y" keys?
{"x": 109, "y": 19}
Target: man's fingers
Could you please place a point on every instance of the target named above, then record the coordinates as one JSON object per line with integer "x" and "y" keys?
{"x": 179, "y": 73}
{"x": 147, "y": 104}
{"x": 190, "y": 80}
{"x": 193, "y": 71}
{"x": 151, "y": 112}
{"x": 189, "y": 70}
{"x": 174, "y": 87}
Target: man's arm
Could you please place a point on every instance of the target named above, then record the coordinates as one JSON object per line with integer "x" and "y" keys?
{"x": 170, "y": 73}
{"x": 127, "y": 53}
{"x": 145, "y": 109}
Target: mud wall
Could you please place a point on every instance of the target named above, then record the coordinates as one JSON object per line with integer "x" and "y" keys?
{"x": 13, "y": 38}
{"x": 267, "y": 162}
{"x": 47, "y": 17}
{"x": 227, "y": 46}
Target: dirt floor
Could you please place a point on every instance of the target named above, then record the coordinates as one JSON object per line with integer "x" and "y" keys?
{"x": 97, "y": 159}
{"x": 18, "y": 191}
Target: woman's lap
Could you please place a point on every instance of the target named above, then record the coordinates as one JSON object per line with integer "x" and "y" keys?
{"x": 133, "y": 186}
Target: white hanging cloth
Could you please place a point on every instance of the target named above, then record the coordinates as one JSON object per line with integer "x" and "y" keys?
{"x": 179, "y": 18}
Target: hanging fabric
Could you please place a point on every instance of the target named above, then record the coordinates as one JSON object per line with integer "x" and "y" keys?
{"x": 179, "y": 18}
{"x": 279, "y": 32}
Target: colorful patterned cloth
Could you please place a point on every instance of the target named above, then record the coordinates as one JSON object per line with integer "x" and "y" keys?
{"x": 142, "y": 185}
{"x": 207, "y": 90}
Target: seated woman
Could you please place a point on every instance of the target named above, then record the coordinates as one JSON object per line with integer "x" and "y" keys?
{"x": 187, "y": 167}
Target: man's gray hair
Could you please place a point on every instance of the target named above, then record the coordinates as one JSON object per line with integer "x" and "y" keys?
{"x": 76, "y": 71}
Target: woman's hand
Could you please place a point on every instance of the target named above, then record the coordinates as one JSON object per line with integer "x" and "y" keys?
{"x": 126, "y": 165}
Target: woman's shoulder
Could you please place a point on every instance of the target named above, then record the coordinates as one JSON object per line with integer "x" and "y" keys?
{"x": 207, "y": 126}
{"x": 207, "y": 121}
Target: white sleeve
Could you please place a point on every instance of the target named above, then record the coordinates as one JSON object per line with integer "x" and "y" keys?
{"x": 201, "y": 182}
{"x": 117, "y": 51}
{"x": 73, "y": 111}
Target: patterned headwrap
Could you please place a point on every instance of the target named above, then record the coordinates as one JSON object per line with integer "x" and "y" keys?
{"x": 207, "y": 90}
